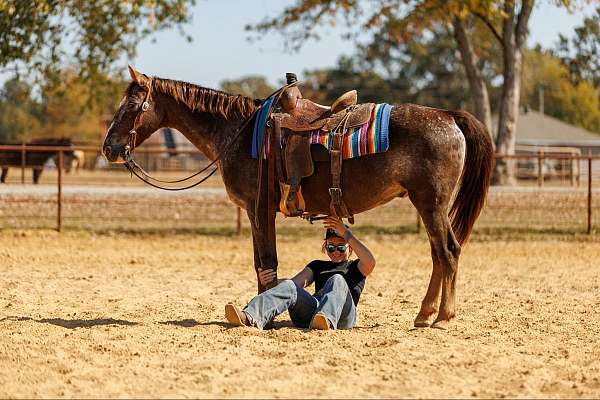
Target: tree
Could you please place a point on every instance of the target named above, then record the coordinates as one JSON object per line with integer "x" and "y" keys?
{"x": 66, "y": 108}
{"x": 576, "y": 103}
{"x": 19, "y": 114}
{"x": 73, "y": 109}
{"x": 582, "y": 53}
{"x": 255, "y": 86}
{"x": 427, "y": 65}
{"x": 392, "y": 22}
{"x": 44, "y": 36}
{"x": 326, "y": 85}
{"x": 506, "y": 20}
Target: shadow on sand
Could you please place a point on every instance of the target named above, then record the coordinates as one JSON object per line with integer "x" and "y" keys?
{"x": 190, "y": 323}
{"x": 84, "y": 323}
{"x": 73, "y": 323}
{"x": 186, "y": 323}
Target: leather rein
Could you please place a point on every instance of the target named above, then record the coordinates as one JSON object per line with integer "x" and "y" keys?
{"x": 140, "y": 173}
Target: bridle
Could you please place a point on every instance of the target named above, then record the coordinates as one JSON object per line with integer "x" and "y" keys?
{"x": 140, "y": 173}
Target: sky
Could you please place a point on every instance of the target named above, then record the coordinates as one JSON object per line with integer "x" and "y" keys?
{"x": 220, "y": 49}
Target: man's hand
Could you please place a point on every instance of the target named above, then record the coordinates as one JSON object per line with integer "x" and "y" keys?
{"x": 335, "y": 224}
{"x": 266, "y": 275}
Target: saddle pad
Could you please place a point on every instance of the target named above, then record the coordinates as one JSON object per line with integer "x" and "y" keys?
{"x": 369, "y": 138}
{"x": 259, "y": 127}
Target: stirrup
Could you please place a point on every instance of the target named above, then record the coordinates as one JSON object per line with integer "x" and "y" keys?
{"x": 292, "y": 202}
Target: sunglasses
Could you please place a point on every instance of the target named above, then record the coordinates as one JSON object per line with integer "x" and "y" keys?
{"x": 340, "y": 247}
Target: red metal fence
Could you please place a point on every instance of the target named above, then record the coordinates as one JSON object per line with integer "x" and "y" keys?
{"x": 539, "y": 159}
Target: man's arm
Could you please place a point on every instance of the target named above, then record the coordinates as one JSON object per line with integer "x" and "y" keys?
{"x": 304, "y": 278}
{"x": 366, "y": 261}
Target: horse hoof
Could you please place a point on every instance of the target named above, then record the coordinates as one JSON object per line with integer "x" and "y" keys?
{"x": 422, "y": 323}
{"x": 441, "y": 324}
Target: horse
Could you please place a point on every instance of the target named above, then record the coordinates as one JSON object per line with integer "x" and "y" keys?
{"x": 441, "y": 160}
{"x": 77, "y": 162}
{"x": 36, "y": 159}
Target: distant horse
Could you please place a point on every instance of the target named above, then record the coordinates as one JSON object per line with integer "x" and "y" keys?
{"x": 434, "y": 156}
{"x": 77, "y": 162}
{"x": 36, "y": 159}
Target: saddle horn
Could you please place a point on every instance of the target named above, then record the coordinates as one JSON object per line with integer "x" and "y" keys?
{"x": 290, "y": 78}
{"x": 290, "y": 96}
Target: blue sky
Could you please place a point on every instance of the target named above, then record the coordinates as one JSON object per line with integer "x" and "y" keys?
{"x": 220, "y": 49}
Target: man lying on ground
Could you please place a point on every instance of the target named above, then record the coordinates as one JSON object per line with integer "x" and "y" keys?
{"x": 338, "y": 285}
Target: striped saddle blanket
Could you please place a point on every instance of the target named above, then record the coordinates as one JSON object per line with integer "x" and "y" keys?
{"x": 369, "y": 138}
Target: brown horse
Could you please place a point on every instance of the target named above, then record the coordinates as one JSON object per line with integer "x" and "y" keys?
{"x": 441, "y": 159}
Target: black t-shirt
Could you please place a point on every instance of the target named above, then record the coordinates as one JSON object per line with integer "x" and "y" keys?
{"x": 323, "y": 270}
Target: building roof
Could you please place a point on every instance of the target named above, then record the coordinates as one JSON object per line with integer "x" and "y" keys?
{"x": 534, "y": 126}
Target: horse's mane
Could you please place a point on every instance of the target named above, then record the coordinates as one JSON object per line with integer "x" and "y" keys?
{"x": 198, "y": 98}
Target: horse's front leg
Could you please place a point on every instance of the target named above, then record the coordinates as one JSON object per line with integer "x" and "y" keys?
{"x": 265, "y": 248}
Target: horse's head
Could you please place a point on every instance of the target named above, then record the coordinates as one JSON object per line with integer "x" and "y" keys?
{"x": 136, "y": 119}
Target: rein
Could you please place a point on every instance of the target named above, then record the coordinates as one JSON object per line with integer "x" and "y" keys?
{"x": 139, "y": 172}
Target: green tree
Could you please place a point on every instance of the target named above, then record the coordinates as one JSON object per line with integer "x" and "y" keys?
{"x": 576, "y": 103}
{"x": 428, "y": 65}
{"x": 19, "y": 114}
{"x": 582, "y": 53}
{"x": 73, "y": 109}
{"x": 252, "y": 86}
{"x": 66, "y": 108}
{"x": 44, "y": 36}
{"x": 326, "y": 85}
{"x": 506, "y": 20}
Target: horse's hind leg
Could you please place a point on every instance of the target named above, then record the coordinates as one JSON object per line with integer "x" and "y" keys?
{"x": 37, "y": 172}
{"x": 429, "y": 305}
{"x": 445, "y": 251}
{"x": 4, "y": 173}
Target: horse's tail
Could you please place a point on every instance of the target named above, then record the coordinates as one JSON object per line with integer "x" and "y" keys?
{"x": 475, "y": 177}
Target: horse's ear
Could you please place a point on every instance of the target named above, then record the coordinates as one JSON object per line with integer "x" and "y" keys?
{"x": 135, "y": 76}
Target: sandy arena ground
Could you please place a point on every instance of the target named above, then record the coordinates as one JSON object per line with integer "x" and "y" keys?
{"x": 85, "y": 315}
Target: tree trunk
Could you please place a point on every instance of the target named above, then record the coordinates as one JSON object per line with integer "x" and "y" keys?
{"x": 514, "y": 34}
{"x": 480, "y": 98}
{"x": 507, "y": 119}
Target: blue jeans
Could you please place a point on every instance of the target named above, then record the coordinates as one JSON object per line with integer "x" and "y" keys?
{"x": 333, "y": 300}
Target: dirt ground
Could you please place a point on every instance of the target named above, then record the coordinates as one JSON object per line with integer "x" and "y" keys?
{"x": 125, "y": 315}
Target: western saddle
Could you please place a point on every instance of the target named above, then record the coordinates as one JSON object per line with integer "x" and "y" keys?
{"x": 298, "y": 117}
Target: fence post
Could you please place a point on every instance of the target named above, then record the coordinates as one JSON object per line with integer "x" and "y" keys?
{"x": 22, "y": 163}
{"x": 572, "y": 170}
{"x": 59, "y": 200}
{"x": 589, "y": 199}
{"x": 540, "y": 171}
{"x": 238, "y": 225}
{"x": 579, "y": 171}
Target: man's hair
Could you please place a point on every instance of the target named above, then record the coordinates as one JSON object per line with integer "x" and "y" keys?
{"x": 332, "y": 233}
